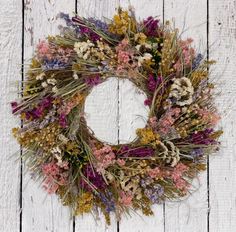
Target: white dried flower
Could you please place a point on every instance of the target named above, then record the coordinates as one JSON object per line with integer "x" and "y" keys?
{"x": 75, "y": 76}
{"x": 40, "y": 76}
{"x": 54, "y": 89}
{"x": 181, "y": 91}
{"x": 83, "y": 49}
{"x": 51, "y": 81}
{"x": 63, "y": 138}
{"x": 168, "y": 152}
{"x": 44, "y": 84}
{"x": 144, "y": 58}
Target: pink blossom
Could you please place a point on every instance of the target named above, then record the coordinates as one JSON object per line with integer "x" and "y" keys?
{"x": 105, "y": 157}
{"x": 182, "y": 185}
{"x": 43, "y": 48}
{"x": 153, "y": 173}
{"x": 153, "y": 122}
{"x": 54, "y": 176}
{"x": 121, "y": 162}
{"x": 125, "y": 198}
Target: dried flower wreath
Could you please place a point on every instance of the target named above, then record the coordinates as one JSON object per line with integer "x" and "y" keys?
{"x": 167, "y": 154}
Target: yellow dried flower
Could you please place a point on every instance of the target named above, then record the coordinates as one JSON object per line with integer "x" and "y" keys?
{"x": 197, "y": 76}
{"x": 84, "y": 203}
{"x": 147, "y": 136}
{"x": 140, "y": 38}
{"x": 122, "y": 22}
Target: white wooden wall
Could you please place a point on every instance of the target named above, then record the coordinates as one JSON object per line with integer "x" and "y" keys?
{"x": 24, "y": 207}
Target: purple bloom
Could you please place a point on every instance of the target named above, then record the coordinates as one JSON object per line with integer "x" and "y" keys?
{"x": 62, "y": 120}
{"x": 203, "y": 137}
{"x": 148, "y": 102}
{"x": 154, "y": 193}
{"x": 108, "y": 201}
{"x": 197, "y": 61}
{"x": 84, "y": 30}
{"x": 99, "y": 24}
{"x": 94, "y": 177}
{"x": 53, "y": 65}
{"x": 93, "y": 80}
{"x": 151, "y": 26}
{"x": 15, "y": 107}
{"x": 197, "y": 152}
{"x": 153, "y": 82}
{"x": 136, "y": 152}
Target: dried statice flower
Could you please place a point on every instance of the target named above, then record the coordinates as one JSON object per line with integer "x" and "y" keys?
{"x": 168, "y": 153}
{"x": 181, "y": 91}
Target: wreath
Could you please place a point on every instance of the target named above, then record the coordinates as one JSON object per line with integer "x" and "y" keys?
{"x": 159, "y": 165}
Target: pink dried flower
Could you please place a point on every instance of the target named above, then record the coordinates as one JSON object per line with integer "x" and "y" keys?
{"x": 182, "y": 185}
{"x": 54, "y": 176}
{"x": 121, "y": 162}
{"x": 125, "y": 198}
{"x": 153, "y": 122}
{"x": 105, "y": 157}
{"x": 43, "y": 49}
{"x": 153, "y": 173}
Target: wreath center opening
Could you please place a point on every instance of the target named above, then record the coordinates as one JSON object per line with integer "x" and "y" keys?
{"x": 115, "y": 109}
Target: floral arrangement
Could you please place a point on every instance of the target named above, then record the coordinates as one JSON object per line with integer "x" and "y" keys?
{"x": 92, "y": 176}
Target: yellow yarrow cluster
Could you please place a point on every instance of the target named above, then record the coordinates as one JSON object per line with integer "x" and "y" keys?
{"x": 85, "y": 203}
{"x": 147, "y": 136}
{"x": 122, "y": 22}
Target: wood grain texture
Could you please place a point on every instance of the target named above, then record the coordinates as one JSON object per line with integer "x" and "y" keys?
{"x": 41, "y": 212}
{"x": 190, "y": 16}
{"x": 222, "y": 38}
{"x": 10, "y": 59}
{"x": 138, "y": 222}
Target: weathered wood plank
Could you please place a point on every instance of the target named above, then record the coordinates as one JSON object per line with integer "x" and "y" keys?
{"x": 191, "y": 214}
{"x": 42, "y": 212}
{"x": 10, "y": 59}
{"x": 106, "y": 109}
{"x": 138, "y": 223}
{"x": 222, "y": 175}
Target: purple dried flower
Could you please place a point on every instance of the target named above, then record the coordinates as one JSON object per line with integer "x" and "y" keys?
{"x": 203, "y": 137}
{"x": 136, "y": 152}
{"x": 151, "y": 26}
{"x": 154, "y": 193}
{"x": 99, "y": 24}
{"x": 15, "y": 107}
{"x": 108, "y": 201}
{"x": 63, "y": 120}
{"x": 53, "y": 65}
{"x": 197, "y": 152}
{"x": 94, "y": 177}
{"x": 148, "y": 102}
{"x": 197, "y": 61}
{"x": 153, "y": 82}
{"x": 93, "y": 80}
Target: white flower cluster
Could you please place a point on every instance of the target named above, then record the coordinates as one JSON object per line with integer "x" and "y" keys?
{"x": 146, "y": 57}
{"x": 83, "y": 49}
{"x": 88, "y": 50}
{"x": 182, "y": 91}
{"x": 169, "y": 153}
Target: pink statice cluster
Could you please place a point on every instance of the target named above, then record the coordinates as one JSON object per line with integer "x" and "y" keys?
{"x": 177, "y": 177}
{"x": 124, "y": 55}
{"x": 46, "y": 51}
{"x": 105, "y": 157}
{"x": 54, "y": 176}
{"x": 187, "y": 54}
{"x": 155, "y": 172}
{"x": 125, "y": 198}
{"x": 208, "y": 117}
{"x": 167, "y": 120}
